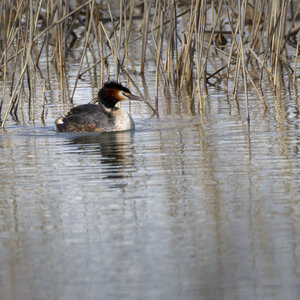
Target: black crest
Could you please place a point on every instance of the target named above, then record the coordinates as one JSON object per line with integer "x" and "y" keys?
{"x": 115, "y": 85}
{"x": 107, "y": 98}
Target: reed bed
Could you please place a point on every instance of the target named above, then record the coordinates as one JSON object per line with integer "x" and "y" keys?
{"x": 194, "y": 44}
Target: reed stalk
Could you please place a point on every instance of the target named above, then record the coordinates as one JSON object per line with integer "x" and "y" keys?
{"x": 255, "y": 33}
{"x": 295, "y": 62}
{"x": 84, "y": 50}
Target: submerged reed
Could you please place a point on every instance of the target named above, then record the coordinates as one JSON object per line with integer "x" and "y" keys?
{"x": 193, "y": 43}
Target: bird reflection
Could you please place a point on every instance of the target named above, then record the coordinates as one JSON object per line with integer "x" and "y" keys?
{"x": 115, "y": 151}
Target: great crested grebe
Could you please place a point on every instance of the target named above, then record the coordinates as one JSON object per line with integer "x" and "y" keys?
{"x": 101, "y": 117}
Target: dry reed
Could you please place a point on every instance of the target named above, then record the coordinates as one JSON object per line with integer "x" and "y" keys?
{"x": 193, "y": 45}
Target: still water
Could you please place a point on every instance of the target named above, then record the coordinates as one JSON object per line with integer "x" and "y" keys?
{"x": 188, "y": 206}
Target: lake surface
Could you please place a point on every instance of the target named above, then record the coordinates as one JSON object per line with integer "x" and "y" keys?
{"x": 193, "y": 205}
{"x": 188, "y": 206}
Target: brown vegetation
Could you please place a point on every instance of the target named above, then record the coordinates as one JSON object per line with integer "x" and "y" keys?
{"x": 242, "y": 41}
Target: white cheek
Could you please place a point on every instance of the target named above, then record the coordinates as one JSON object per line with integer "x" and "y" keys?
{"x": 121, "y": 96}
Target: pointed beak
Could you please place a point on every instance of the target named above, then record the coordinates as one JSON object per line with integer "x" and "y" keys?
{"x": 136, "y": 98}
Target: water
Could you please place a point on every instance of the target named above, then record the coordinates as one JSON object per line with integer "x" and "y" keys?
{"x": 188, "y": 206}
{"x": 185, "y": 207}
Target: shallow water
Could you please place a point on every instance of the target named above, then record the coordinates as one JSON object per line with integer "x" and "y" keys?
{"x": 185, "y": 207}
{"x": 188, "y": 206}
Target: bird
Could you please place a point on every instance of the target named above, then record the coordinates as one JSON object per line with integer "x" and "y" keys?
{"x": 101, "y": 117}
